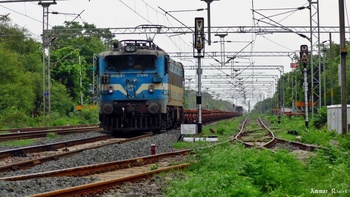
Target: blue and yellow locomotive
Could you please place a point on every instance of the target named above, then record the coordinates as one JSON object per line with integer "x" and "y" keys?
{"x": 140, "y": 88}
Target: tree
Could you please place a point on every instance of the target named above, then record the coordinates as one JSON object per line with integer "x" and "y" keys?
{"x": 16, "y": 87}
{"x": 72, "y": 41}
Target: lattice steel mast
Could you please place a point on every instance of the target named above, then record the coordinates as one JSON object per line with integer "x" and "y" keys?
{"x": 315, "y": 46}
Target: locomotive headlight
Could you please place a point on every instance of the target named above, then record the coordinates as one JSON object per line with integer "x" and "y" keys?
{"x": 151, "y": 88}
{"x": 110, "y": 90}
{"x": 153, "y": 108}
{"x": 107, "y": 108}
{"x": 130, "y": 48}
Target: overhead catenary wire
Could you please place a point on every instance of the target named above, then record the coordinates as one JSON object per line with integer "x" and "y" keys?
{"x": 167, "y": 19}
{"x": 276, "y": 43}
{"x": 148, "y": 21}
{"x": 280, "y": 26}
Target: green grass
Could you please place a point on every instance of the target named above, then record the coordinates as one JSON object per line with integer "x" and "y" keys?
{"x": 283, "y": 134}
{"x": 222, "y": 129}
{"x": 27, "y": 142}
{"x": 24, "y": 142}
{"x": 231, "y": 170}
{"x": 52, "y": 135}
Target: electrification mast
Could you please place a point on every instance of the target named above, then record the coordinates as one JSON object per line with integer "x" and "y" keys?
{"x": 46, "y": 60}
{"x": 315, "y": 47}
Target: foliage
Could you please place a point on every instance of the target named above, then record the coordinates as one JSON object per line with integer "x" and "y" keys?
{"x": 16, "y": 88}
{"x": 21, "y": 74}
{"x": 52, "y": 135}
{"x": 24, "y": 142}
{"x": 231, "y": 170}
{"x": 154, "y": 167}
{"x": 208, "y": 102}
{"x": 316, "y": 136}
{"x": 73, "y": 54}
{"x": 290, "y": 86}
{"x": 61, "y": 102}
{"x": 320, "y": 119}
{"x": 13, "y": 118}
{"x": 85, "y": 116}
{"x": 228, "y": 170}
{"x": 67, "y": 70}
{"x": 345, "y": 141}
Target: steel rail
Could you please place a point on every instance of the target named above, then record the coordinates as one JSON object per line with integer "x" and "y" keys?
{"x": 49, "y": 147}
{"x": 98, "y": 168}
{"x": 38, "y": 161}
{"x": 43, "y": 133}
{"x": 247, "y": 144}
{"x": 93, "y": 188}
{"x": 47, "y": 128}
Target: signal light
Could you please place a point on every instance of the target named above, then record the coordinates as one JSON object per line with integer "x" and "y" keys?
{"x": 304, "y": 57}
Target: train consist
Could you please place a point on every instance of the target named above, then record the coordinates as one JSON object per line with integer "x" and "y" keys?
{"x": 238, "y": 109}
{"x": 191, "y": 116}
{"x": 140, "y": 88}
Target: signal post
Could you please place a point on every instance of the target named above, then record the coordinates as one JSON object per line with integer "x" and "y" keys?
{"x": 198, "y": 52}
{"x": 304, "y": 60}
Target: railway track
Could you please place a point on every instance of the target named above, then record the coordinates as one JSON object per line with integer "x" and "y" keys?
{"x": 111, "y": 174}
{"x": 258, "y": 138}
{"x": 43, "y": 133}
{"x": 99, "y": 168}
{"x": 264, "y": 137}
{"x": 55, "y": 153}
{"x": 137, "y": 169}
{"x": 191, "y": 117}
{"x": 46, "y": 128}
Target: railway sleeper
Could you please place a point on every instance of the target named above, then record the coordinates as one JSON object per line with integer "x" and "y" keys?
{"x": 19, "y": 153}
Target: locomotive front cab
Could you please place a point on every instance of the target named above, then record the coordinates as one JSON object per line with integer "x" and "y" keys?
{"x": 134, "y": 87}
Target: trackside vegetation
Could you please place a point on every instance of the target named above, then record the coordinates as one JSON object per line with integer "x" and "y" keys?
{"x": 229, "y": 169}
{"x": 71, "y": 57}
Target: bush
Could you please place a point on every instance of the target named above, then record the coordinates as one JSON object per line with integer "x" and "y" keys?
{"x": 14, "y": 118}
{"x": 85, "y": 116}
{"x": 316, "y": 136}
{"x": 321, "y": 119}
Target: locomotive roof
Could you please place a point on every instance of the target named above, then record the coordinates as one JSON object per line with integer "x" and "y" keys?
{"x": 143, "y": 47}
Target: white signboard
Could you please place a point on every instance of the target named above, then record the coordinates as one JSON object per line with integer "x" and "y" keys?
{"x": 188, "y": 129}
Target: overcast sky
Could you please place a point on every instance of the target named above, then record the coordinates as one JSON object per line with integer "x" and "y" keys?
{"x": 131, "y": 13}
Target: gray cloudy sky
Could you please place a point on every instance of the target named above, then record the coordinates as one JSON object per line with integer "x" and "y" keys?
{"x": 131, "y": 13}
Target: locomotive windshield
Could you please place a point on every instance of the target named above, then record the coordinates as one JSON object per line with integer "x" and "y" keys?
{"x": 126, "y": 62}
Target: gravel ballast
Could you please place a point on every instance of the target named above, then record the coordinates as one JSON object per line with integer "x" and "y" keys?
{"x": 109, "y": 153}
{"x": 61, "y": 138}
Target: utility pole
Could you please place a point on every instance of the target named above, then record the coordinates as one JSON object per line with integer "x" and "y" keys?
{"x": 343, "y": 53}
{"x": 324, "y": 76}
{"x": 81, "y": 83}
{"x": 331, "y": 67}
